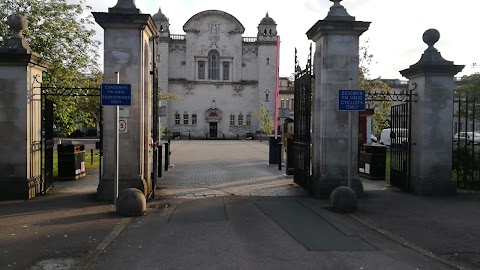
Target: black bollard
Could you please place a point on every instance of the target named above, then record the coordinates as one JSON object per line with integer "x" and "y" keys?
{"x": 160, "y": 160}
{"x": 91, "y": 156}
{"x": 237, "y": 137}
{"x": 167, "y": 155}
{"x": 223, "y": 136}
{"x": 289, "y": 157}
{"x": 280, "y": 144}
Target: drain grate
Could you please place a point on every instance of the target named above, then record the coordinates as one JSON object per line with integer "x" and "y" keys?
{"x": 159, "y": 206}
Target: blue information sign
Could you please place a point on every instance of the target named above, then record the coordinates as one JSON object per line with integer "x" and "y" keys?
{"x": 116, "y": 94}
{"x": 351, "y": 100}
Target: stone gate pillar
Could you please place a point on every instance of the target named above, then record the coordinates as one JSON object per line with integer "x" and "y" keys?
{"x": 336, "y": 61}
{"x": 20, "y": 109}
{"x": 432, "y": 120}
{"x": 127, "y": 50}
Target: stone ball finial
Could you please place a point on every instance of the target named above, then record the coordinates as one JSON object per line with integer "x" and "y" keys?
{"x": 131, "y": 202}
{"x": 431, "y": 36}
{"x": 344, "y": 199}
{"x": 338, "y": 12}
{"x": 17, "y": 23}
{"x": 124, "y": 6}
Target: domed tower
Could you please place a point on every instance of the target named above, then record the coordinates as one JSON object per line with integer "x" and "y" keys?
{"x": 267, "y": 63}
{"x": 162, "y": 52}
{"x": 267, "y": 29}
{"x": 162, "y": 23}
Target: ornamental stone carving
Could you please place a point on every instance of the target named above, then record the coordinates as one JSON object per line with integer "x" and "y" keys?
{"x": 237, "y": 89}
{"x": 178, "y": 47}
{"x": 250, "y": 50}
{"x": 189, "y": 88}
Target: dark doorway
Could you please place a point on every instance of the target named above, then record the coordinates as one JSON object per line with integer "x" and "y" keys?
{"x": 213, "y": 129}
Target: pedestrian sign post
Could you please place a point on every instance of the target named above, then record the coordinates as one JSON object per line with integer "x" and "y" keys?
{"x": 117, "y": 95}
{"x": 350, "y": 100}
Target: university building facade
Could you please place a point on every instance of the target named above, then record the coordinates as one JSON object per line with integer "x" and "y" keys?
{"x": 218, "y": 77}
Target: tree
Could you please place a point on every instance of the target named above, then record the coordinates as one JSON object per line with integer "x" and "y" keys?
{"x": 382, "y": 108}
{"x": 468, "y": 93}
{"x": 59, "y": 31}
{"x": 264, "y": 119}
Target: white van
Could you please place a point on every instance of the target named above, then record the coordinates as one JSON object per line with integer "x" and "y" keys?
{"x": 386, "y": 135}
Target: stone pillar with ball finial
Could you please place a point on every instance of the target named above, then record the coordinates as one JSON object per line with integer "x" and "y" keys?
{"x": 432, "y": 120}
{"x": 21, "y": 73}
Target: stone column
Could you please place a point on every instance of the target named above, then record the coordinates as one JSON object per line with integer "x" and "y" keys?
{"x": 127, "y": 50}
{"x": 20, "y": 110}
{"x": 432, "y": 120}
{"x": 336, "y": 61}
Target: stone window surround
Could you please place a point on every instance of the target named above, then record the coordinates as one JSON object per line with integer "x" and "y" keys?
{"x": 240, "y": 119}
{"x": 194, "y": 118}
{"x": 214, "y": 65}
{"x": 248, "y": 120}
{"x": 177, "y": 119}
{"x": 222, "y": 59}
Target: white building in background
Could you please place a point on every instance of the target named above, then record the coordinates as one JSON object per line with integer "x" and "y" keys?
{"x": 220, "y": 77}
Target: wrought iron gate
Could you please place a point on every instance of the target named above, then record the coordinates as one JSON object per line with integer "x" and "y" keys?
{"x": 47, "y": 116}
{"x": 400, "y": 146}
{"x": 400, "y": 136}
{"x": 302, "y": 109}
{"x": 466, "y": 128}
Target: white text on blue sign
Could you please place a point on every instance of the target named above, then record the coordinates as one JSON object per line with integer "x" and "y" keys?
{"x": 116, "y": 94}
{"x": 351, "y": 100}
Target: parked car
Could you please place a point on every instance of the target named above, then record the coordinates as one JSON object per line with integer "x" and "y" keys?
{"x": 470, "y": 138}
{"x": 387, "y": 135}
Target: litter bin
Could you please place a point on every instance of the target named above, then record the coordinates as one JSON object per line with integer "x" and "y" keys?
{"x": 372, "y": 161}
{"x": 71, "y": 160}
{"x": 273, "y": 152}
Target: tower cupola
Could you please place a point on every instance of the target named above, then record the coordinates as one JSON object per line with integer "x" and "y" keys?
{"x": 267, "y": 27}
{"x": 162, "y": 22}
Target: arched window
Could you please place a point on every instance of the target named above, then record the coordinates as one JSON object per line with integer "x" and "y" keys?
{"x": 226, "y": 71}
{"x": 213, "y": 65}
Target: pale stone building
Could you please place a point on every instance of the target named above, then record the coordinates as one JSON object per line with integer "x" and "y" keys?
{"x": 287, "y": 100}
{"x": 220, "y": 77}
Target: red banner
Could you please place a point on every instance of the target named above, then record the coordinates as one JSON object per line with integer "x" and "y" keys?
{"x": 277, "y": 90}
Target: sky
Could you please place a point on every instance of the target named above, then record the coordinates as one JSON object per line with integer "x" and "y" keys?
{"x": 394, "y": 37}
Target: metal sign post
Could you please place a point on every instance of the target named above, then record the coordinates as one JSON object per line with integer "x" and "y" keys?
{"x": 116, "y": 95}
{"x": 117, "y": 147}
{"x": 350, "y": 100}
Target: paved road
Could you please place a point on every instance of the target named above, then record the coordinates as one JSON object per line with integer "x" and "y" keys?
{"x": 213, "y": 168}
{"x": 221, "y": 206}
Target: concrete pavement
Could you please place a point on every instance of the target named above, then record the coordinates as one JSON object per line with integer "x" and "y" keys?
{"x": 221, "y": 206}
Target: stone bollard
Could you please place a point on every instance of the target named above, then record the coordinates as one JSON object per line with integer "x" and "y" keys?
{"x": 343, "y": 199}
{"x": 131, "y": 203}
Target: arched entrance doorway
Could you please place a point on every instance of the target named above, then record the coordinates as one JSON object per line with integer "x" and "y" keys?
{"x": 213, "y": 117}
